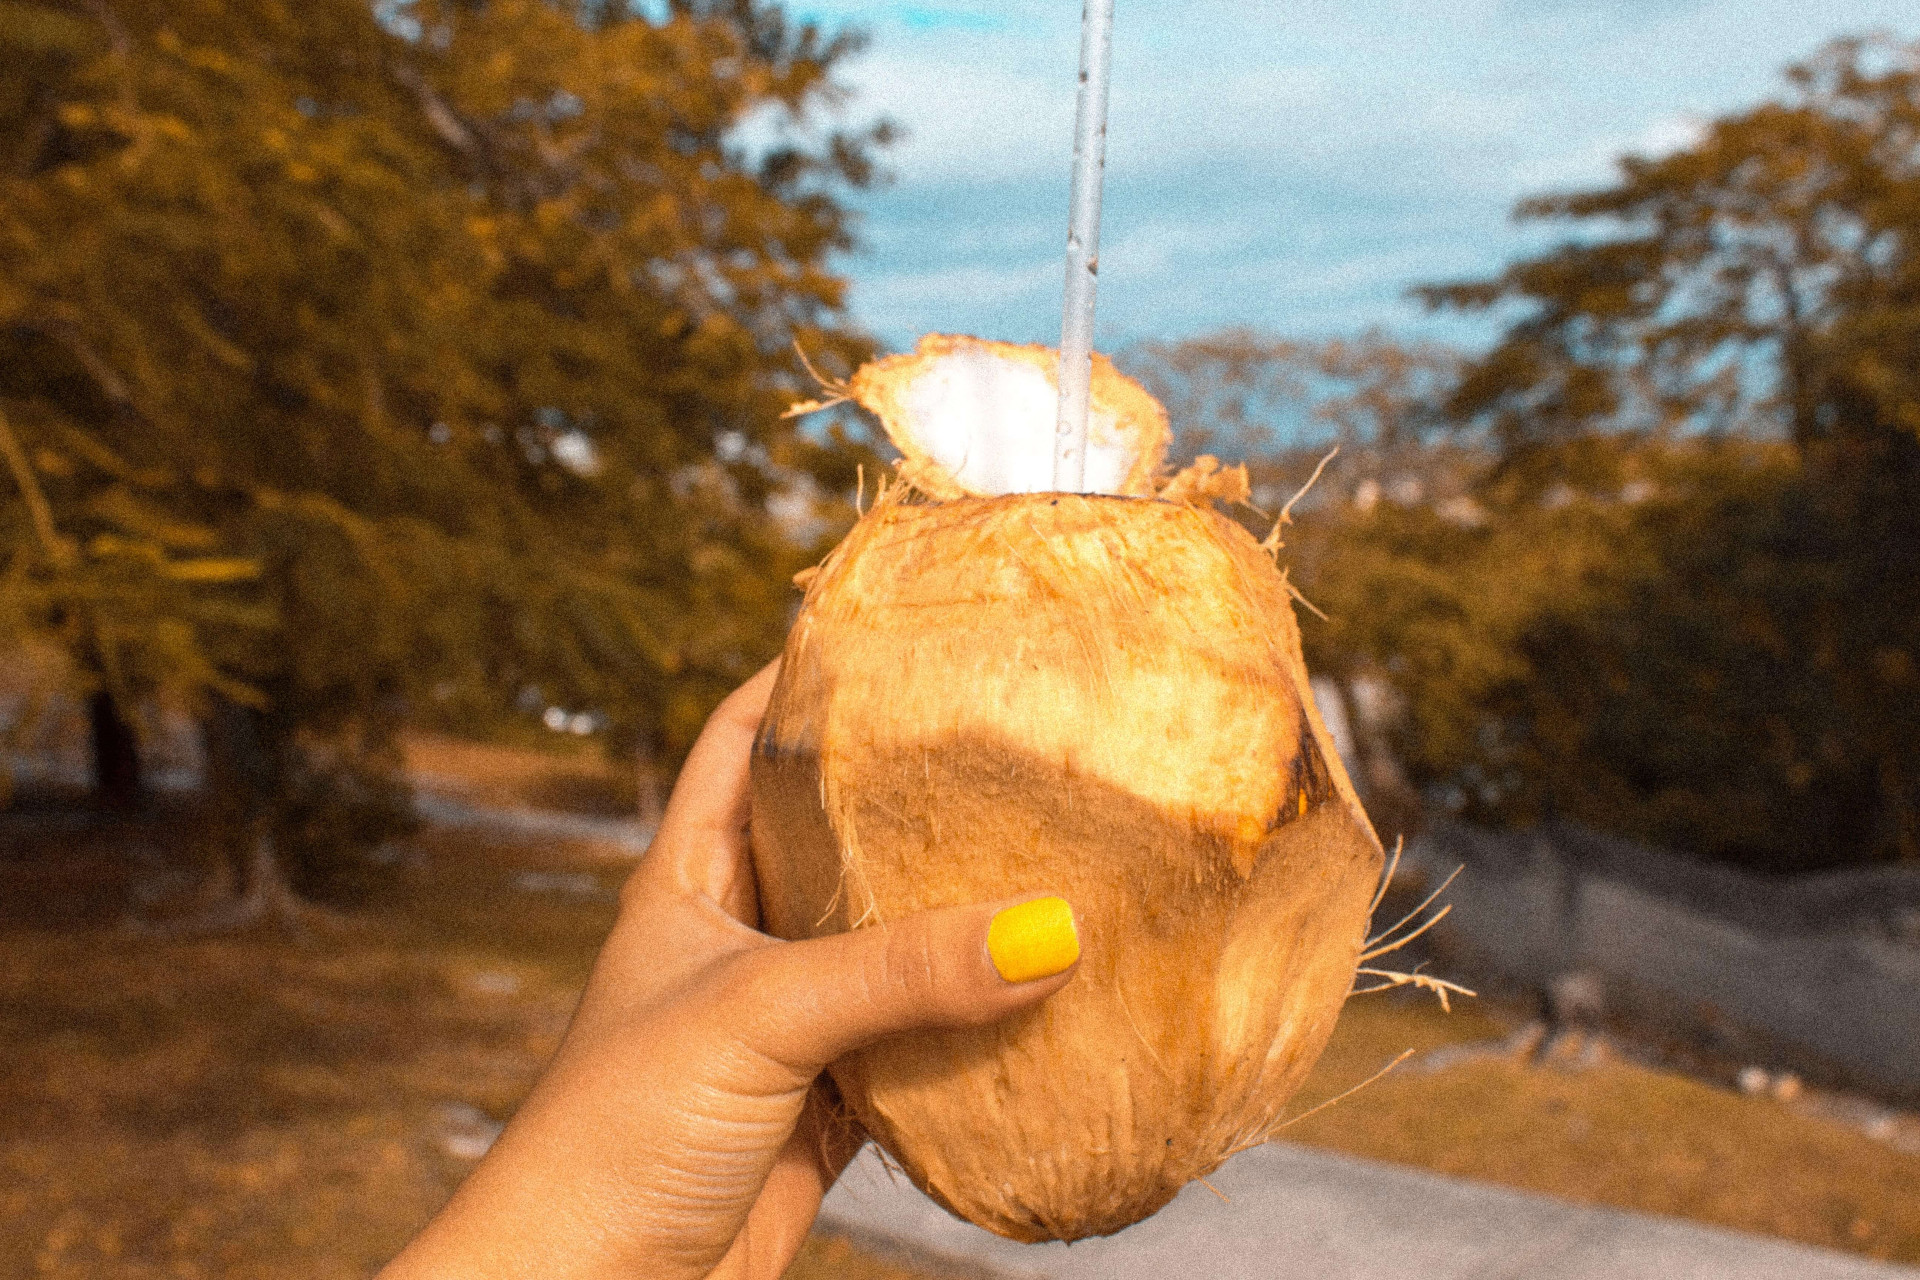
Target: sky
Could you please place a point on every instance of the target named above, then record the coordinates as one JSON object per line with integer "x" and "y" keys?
{"x": 1291, "y": 167}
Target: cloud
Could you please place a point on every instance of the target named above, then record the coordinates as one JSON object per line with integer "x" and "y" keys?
{"x": 1598, "y": 161}
{"x": 1297, "y": 165}
{"x": 956, "y": 298}
{"x": 1666, "y": 136}
{"x": 917, "y": 17}
{"x": 984, "y": 120}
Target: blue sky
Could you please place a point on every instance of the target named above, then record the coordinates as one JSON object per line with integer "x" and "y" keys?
{"x": 1295, "y": 167}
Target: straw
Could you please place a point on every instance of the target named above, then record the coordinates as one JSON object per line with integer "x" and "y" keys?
{"x": 1083, "y": 248}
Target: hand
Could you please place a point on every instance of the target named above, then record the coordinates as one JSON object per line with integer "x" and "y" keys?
{"x": 684, "y": 1128}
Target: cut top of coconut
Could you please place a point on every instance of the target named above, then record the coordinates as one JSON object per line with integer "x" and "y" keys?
{"x": 976, "y": 419}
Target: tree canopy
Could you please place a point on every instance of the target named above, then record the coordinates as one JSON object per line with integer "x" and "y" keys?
{"x": 1764, "y": 279}
{"x": 1651, "y": 562}
{"x": 1744, "y": 680}
{"x": 360, "y": 357}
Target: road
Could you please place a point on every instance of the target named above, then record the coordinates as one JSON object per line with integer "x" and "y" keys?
{"x": 1292, "y": 1213}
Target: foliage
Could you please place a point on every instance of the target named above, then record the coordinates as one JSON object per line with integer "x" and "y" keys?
{"x": 1762, "y": 279}
{"x": 1275, "y": 401}
{"x": 1377, "y": 536}
{"x": 415, "y": 355}
{"x": 1745, "y": 684}
{"x": 1705, "y": 693}
{"x": 1652, "y": 562}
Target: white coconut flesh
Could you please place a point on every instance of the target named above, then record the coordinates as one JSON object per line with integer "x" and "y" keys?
{"x": 977, "y": 419}
{"x": 990, "y": 422}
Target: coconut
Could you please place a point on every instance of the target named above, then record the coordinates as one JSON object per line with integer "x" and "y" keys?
{"x": 994, "y": 690}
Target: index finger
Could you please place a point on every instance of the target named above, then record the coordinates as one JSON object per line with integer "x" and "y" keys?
{"x": 703, "y": 834}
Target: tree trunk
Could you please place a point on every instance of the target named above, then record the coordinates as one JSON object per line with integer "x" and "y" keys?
{"x": 259, "y": 892}
{"x": 240, "y": 773}
{"x": 647, "y": 784}
{"x": 262, "y": 890}
{"x": 240, "y": 767}
{"x": 116, "y": 752}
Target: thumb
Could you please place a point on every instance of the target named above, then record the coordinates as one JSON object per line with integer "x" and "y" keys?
{"x": 808, "y": 1003}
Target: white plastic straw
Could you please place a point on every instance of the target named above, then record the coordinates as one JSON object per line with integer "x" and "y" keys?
{"x": 1083, "y": 248}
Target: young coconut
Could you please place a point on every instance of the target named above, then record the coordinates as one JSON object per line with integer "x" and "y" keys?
{"x": 993, "y": 690}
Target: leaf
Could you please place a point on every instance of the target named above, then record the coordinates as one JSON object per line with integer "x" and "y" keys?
{"x": 213, "y": 570}
{"x": 37, "y": 29}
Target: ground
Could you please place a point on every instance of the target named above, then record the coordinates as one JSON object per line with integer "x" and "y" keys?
{"x": 265, "y": 1105}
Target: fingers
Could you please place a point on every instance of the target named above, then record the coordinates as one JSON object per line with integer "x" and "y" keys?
{"x": 711, "y": 792}
{"x": 703, "y": 832}
{"x": 801, "y": 1005}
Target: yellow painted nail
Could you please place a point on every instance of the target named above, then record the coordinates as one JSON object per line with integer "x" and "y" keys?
{"x": 1033, "y": 940}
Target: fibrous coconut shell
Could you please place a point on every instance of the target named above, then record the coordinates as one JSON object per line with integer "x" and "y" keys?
{"x": 1101, "y": 697}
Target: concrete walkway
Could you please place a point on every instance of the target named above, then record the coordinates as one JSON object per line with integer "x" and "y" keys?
{"x": 1299, "y": 1214}
{"x": 621, "y": 836}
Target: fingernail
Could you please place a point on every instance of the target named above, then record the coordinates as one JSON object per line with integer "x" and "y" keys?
{"x": 1033, "y": 940}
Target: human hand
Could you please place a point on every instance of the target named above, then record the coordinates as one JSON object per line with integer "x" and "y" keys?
{"x": 683, "y": 1129}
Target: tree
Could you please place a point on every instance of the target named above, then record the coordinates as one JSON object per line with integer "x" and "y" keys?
{"x": 1364, "y": 527}
{"x": 1747, "y": 687}
{"x": 1280, "y": 404}
{"x": 1665, "y": 579}
{"x": 1763, "y": 278}
{"x": 374, "y": 359}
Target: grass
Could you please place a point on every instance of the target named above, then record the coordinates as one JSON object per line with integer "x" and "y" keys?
{"x": 1599, "y": 1129}
{"x": 261, "y": 1106}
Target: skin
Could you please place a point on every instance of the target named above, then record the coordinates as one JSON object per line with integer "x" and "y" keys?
{"x": 684, "y": 1129}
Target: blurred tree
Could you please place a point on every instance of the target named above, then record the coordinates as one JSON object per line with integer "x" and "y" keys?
{"x": 1741, "y": 677}
{"x": 1510, "y": 652}
{"x": 1281, "y": 404}
{"x": 1665, "y": 577}
{"x": 416, "y": 354}
{"x": 1366, "y": 531}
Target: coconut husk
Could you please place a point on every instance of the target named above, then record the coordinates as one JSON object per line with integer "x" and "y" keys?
{"x": 1100, "y": 697}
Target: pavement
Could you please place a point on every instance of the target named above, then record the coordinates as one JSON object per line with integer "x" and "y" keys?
{"x": 621, "y": 836}
{"x": 1291, "y": 1213}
